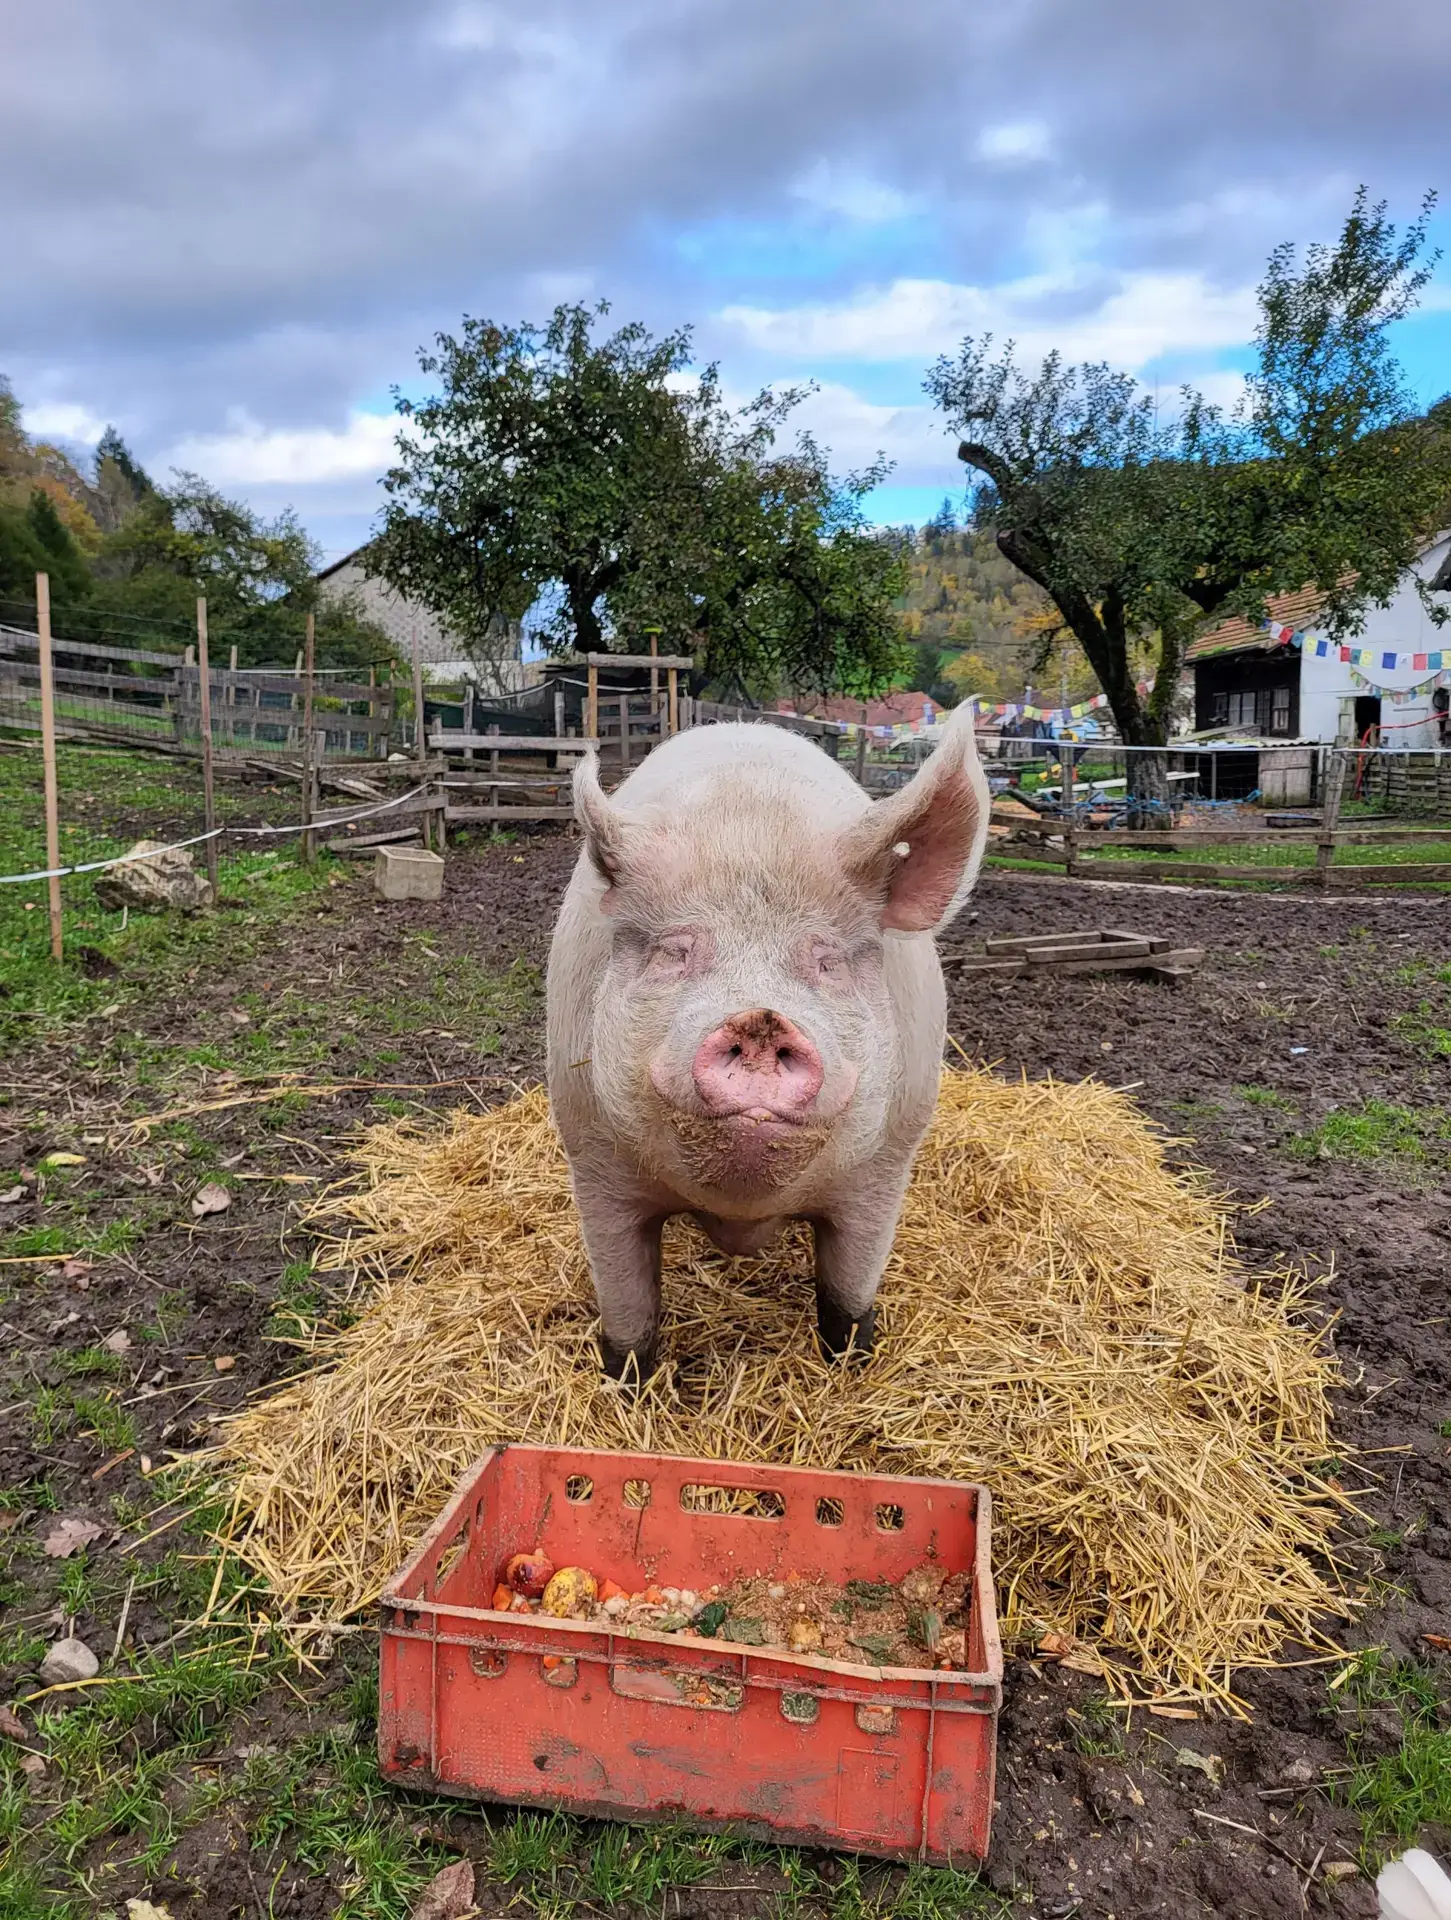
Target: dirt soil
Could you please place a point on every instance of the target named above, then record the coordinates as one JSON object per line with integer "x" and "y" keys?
{"x": 1304, "y": 1011}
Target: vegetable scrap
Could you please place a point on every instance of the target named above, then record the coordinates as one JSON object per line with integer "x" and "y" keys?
{"x": 919, "y": 1621}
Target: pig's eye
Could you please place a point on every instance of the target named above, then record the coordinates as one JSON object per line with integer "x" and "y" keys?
{"x": 826, "y": 962}
{"x": 671, "y": 956}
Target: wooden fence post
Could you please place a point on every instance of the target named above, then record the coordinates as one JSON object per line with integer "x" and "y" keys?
{"x": 861, "y": 756}
{"x": 592, "y": 703}
{"x": 672, "y": 681}
{"x": 209, "y": 798}
{"x": 309, "y": 844}
{"x": 654, "y": 677}
{"x": 47, "y": 745}
{"x": 1070, "y": 830}
{"x": 420, "y": 728}
{"x": 1332, "y": 788}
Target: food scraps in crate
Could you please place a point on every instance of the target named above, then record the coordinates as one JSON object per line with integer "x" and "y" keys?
{"x": 920, "y": 1620}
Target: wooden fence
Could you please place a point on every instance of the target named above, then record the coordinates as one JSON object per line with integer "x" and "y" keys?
{"x": 131, "y": 696}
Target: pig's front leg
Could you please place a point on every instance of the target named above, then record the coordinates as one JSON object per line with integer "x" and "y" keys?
{"x": 854, "y": 1236}
{"x": 622, "y": 1235}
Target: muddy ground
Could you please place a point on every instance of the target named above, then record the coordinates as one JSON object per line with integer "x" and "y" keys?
{"x": 1307, "y": 1061}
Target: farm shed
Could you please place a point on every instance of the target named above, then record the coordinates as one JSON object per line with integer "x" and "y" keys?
{"x": 1288, "y": 681}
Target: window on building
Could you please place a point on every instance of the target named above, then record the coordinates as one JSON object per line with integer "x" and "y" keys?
{"x": 1234, "y": 709}
{"x": 1280, "y": 710}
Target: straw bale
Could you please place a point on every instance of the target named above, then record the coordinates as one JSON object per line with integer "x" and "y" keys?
{"x": 1063, "y": 1318}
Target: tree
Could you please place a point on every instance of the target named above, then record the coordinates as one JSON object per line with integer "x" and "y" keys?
{"x": 1141, "y": 533}
{"x": 590, "y": 481}
{"x": 258, "y": 578}
{"x": 764, "y": 566}
{"x": 121, "y": 483}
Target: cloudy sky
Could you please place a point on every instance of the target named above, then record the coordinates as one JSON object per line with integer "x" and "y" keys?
{"x": 227, "y": 228}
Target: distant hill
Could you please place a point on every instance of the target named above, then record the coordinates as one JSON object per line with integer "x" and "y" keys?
{"x": 977, "y": 623}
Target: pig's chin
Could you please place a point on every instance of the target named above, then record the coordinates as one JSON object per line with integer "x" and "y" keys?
{"x": 748, "y": 1154}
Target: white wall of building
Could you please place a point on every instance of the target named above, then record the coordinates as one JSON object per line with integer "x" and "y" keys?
{"x": 443, "y": 654}
{"x": 1328, "y": 691}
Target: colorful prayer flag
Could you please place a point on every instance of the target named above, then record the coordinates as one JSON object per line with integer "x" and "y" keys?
{"x": 1388, "y": 663}
{"x": 1418, "y": 662}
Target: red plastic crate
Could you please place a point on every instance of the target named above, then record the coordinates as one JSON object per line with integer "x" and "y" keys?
{"x": 895, "y": 1761}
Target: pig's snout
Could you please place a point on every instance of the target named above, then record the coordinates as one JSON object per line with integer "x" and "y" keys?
{"x": 757, "y": 1062}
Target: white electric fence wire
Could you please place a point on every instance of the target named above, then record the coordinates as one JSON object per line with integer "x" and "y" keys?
{"x": 152, "y": 853}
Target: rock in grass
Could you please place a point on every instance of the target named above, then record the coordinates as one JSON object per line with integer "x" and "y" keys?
{"x": 69, "y": 1660}
{"x": 154, "y": 877}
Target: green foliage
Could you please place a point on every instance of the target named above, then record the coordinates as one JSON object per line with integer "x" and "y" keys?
{"x": 1399, "y": 1794}
{"x": 1377, "y": 1130}
{"x": 584, "y": 479}
{"x": 36, "y": 540}
{"x": 1139, "y": 530}
{"x": 128, "y": 560}
{"x": 256, "y": 575}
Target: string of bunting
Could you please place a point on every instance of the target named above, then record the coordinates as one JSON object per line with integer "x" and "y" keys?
{"x": 1433, "y": 662}
{"x": 1023, "y": 710}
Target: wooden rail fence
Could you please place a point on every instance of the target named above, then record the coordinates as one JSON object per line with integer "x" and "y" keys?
{"x": 133, "y": 696}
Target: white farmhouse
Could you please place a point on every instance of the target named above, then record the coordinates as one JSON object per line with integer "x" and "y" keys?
{"x": 1389, "y": 685}
{"x": 443, "y": 654}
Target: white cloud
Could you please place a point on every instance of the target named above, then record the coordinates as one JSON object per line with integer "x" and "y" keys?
{"x": 1014, "y": 141}
{"x": 855, "y": 430}
{"x": 60, "y": 420}
{"x": 250, "y": 455}
{"x": 1147, "y": 315}
{"x": 852, "y": 195}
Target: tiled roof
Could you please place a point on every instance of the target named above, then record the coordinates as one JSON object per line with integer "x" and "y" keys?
{"x": 1297, "y": 610}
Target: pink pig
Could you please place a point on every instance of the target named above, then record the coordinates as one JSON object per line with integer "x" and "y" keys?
{"x": 746, "y": 1009}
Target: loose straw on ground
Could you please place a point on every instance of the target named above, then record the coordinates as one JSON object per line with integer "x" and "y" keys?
{"x": 1063, "y": 1319}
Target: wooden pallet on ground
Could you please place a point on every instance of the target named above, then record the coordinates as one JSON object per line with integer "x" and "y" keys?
{"x": 1091, "y": 950}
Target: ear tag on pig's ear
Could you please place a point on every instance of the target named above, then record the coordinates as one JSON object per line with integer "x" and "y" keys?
{"x": 912, "y": 851}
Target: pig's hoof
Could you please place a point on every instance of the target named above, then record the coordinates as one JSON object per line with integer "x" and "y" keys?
{"x": 631, "y": 1366}
{"x": 840, "y": 1335}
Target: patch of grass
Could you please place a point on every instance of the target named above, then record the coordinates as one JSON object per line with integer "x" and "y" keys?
{"x": 1444, "y": 1429}
{"x": 457, "y": 994}
{"x": 1422, "y": 1032}
{"x": 19, "y": 1647}
{"x": 111, "y": 1424}
{"x": 91, "y": 1360}
{"x": 1376, "y": 1130}
{"x": 51, "y": 1415}
{"x": 1398, "y": 1794}
{"x": 1267, "y": 1097}
{"x": 117, "y": 1236}
{"x": 297, "y": 1303}
{"x": 325, "y": 1798}
{"x": 75, "y": 1585}
{"x": 108, "y": 799}
{"x": 1098, "y": 1732}
{"x": 28, "y": 1242}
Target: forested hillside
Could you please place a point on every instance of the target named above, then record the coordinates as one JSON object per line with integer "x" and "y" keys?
{"x": 127, "y": 558}
{"x": 979, "y": 626}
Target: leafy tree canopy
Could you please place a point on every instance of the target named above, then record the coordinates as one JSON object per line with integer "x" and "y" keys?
{"x": 597, "y": 483}
{"x": 257, "y": 576}
{"x": 128, "y": 560}
{"x": 1140, "y": 532}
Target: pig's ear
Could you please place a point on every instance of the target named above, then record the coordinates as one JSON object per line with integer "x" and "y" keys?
{"x": 918, "y": 852}
{"x": 602, "y": 825}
